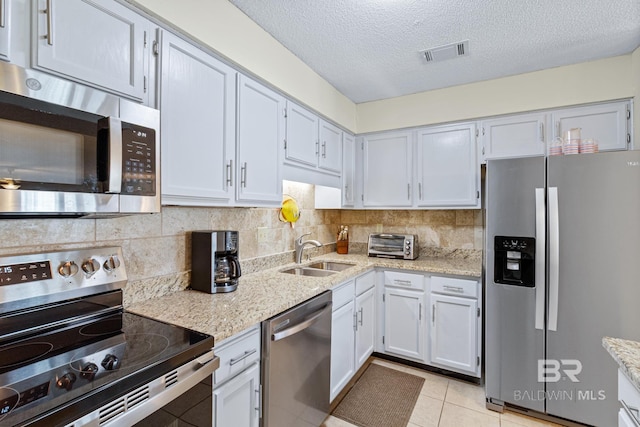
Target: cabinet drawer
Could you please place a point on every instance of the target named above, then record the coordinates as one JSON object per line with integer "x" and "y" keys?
{"x": 343, "y": 294}
{"x": 404, "y": 280}
{"x": 237, "y": 354}
{"x": 628, "y": 394}
{"x": 365, "y": 282}
{"x": 451, "y": 286}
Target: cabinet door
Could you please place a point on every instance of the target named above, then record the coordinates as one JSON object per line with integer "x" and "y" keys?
{"x": 5, "y": 13}
{"x": 515, "y": 136}
{"x": 348, "y": 169}
{"x": 106, "y": 47}
{"x": 330, "y": 155}
{"x": 403, "y": 325}
{"x": 448, "y": 172}
{"x": 302, "y": 135}
{"x": 387, "y": 170}
{"x": 606, "y": 123}
{"x": 342, "y": 348}
{"x": 260, "y": 141}
{"x": 197, "y": 110}
{"x": 237, "y": 402}
{"x": 454, "y": 333}
{"x": 365, "y": 326}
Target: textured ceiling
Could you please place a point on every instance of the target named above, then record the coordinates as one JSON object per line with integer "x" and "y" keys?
{"x": 368, "y": 49}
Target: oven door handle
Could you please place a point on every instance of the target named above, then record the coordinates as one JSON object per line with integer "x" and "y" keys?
{"x": 302, "y": 325}
{"x": 114, "y": 183}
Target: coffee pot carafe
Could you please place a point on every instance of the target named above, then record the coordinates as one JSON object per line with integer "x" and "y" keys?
{"x": 215, "y": 264}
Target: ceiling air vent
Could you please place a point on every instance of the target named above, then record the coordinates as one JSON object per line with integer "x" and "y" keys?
{"x": 448, "y": 51}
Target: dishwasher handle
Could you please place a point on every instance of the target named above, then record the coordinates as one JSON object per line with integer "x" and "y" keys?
{"x": 308, "y": 322}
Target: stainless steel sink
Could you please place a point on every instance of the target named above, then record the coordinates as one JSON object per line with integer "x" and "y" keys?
{"x": 331, "y": 265}
{"x": 306, "y": 271}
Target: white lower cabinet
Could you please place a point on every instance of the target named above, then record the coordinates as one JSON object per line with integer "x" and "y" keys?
{"x": 236, "y": 390}
{"x": 352, "y": 330}
{"x": 455, "y": 332}
{"x": 237, "y": 401}
{"x": 404, "y": 329}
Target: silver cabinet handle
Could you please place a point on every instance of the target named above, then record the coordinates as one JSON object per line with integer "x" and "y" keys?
{"x": 408, "y": 191}
{"x": 355, "y": 321}
{"x": 317, "y": 148}
{"x": 49, "y": 24}
{"x": 324, "y": 149}
{"x": 2, "y": 14}
{"x": 246, "y": 354}
{"x": 230, "y": 173}
{"x": 302, "y": 325}
{"x": 454, "y": 289}
{"x": 540, "y": 254}
{"x": 542, "y": 132}
{"x": 420, "y": 190}
{"x": 554, "y": 258}
{"x": 420, "y": 312}
{"x": 402, "y": 282}
{"x": 259, "y": 401}
{"x": 243, "y": 175}
{"x": 361, "y": 315}
{"x": 634, "y": 413}
{"x": 433, "y": 314}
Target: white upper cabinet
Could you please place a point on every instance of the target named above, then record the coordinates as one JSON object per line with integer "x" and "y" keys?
{"x": 302, "y": 135}
{"x": 260, "y": 139}
{"x": 348, "y": 170}
{"x": 312, "y": 142}
{"x": 448, "y": 171}
{"x": 99, "y": 42}
{"x": 521, "y": 135}
{"x": 387, "y": 169}
{"x": 609, "y": 124}
{"x": 5, "y": 14}
{"x": 197, "y": 111}
{"x": 330, "y": 152}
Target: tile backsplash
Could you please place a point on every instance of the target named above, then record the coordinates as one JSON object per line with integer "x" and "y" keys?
{"x": 156, "y": 247}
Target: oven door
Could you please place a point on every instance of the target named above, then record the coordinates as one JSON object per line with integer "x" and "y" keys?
{"x": 182, "y": 395}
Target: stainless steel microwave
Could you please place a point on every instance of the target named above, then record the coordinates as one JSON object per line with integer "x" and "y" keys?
{"x": 70, "y": 150}
{"x": 400, "y": 246}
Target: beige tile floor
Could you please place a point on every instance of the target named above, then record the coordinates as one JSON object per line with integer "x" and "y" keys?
{"x": 447, "y": 402}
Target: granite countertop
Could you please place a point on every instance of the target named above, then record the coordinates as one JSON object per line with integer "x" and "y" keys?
{"x": 627, "y": 354}
{"x": 264, "y": 294}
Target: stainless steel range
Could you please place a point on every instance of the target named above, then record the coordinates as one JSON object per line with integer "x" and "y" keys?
{"x": 70, "y": 354}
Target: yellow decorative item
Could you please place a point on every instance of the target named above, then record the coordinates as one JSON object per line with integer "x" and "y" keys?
{"x": 289, "y": 212}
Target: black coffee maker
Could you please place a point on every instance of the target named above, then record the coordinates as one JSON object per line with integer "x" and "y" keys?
{"x": 215, "y": 266}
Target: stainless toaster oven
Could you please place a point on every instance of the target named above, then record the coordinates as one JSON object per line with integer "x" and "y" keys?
{"x": 400, "y": 246}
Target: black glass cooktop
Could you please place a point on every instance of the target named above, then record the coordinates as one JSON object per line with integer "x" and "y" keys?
{"x": 72, "y": 369}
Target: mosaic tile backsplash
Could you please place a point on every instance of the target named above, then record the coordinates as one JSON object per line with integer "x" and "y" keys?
{"x": 156, "y": 247}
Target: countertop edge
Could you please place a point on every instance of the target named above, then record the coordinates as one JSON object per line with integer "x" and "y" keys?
{"x": 627, "y": 354}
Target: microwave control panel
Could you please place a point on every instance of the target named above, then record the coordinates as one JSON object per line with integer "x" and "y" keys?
{"x": 138, "y": 160}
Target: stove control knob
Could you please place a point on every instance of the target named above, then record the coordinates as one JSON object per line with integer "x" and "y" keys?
{"x": 89, "y": 371}
{"x": 90, "y": 267}
{"x": 111, "y": 362}
{"x": 66, "y": 381}
{"x": 68, "y": 269}
{"x": 112, "y": 263}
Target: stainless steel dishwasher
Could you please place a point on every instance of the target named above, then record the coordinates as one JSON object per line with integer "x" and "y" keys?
{"x": 296, "y": 365}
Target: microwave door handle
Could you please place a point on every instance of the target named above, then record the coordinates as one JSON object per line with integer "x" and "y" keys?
{"x": 114, "y": 183}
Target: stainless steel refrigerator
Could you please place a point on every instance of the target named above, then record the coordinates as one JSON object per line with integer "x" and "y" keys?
{"x": 562, "y": 271}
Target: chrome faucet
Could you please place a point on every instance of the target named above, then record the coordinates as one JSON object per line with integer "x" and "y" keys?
{"x": 300, "y": 245}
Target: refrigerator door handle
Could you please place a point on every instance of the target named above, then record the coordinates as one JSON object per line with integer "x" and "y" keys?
{"x": 554, "y": 258}
{"x": 540, "y": 250}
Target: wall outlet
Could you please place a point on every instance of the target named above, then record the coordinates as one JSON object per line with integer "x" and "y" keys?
{"x": 378, "y": 228}
{"x": 263, "y": 234}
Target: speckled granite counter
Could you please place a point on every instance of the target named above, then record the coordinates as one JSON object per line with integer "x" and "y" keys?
{"x": 627, "y": 354}
{"x": 264, "y": 294}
